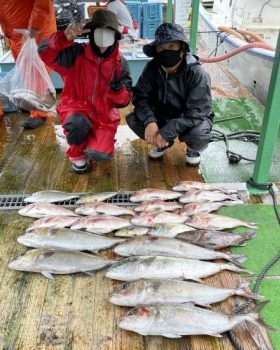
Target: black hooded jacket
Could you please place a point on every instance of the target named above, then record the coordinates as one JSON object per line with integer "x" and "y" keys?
{"x": 176, "y": 101}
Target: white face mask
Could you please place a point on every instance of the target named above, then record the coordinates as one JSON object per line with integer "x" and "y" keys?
{"x": 104, "y": 37}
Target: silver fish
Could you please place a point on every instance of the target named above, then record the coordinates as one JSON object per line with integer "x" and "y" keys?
{"x": 28, "y": 99}
{"x": 48, "y": 262}
{"x": 151, "y": 220}
{"x": 199, "y": 196}
{"x": 159, "y": 267}
{"x": 103, "y": 208}
{"x": 132, "y": 231}
{"x": 40, "y": 210}
{"x": 195, "y": 185}
{"x": 148, "y": 292}
{"x": 96, "y": 197}
{"x": 216, "y": 239}
{"x": 100, "y": 224}
{"x": 63, "y": 238}
{"x": 216, "y": 222}
{"x": 169, "y": 230}
{"x": 49, "y": 197}
{"x": 149, "y": 194}
{"x": 53, "y": 221}
{"x": 174, "y": 321}
{"x": 156, "y": 246}
{"x": 157, "y": 205}
{"x": 206, "y": 207}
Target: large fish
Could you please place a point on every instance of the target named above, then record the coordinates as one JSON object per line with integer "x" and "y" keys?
{"x": 156, "y": 246}
{"x": 216, "y": 239}
{"x": 63, "y": 238}
{"x": 174, "y": 321}
{"x": 53, "y": 221}
{"x": 216, "y": 222}
{"x": 195, "y": 185}
{"x": 159, "y": 267}
{"x": 157, "y": 205}
{"x": 96, "y": 197}
{"x": 50, "y": 197}
{"x": 205, "y": 207}
{"x": 48, "y": 262}
{"x": 100, "y": 224}
{"x": 148, "y": 292}
{"x": 40, "y": 210}
{"x": 199, "y": 196}
{"x": 169, "y": 230}
{"x": 152, "y": 220}
{"x": 132, "y": 231}
{"x": 97, "y": 208}
{"x": 150, "y": 194}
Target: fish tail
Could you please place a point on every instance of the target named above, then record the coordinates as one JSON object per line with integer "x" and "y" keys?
{"x": 250, "y": 225}
{"x": 237, "y": 259}
{"x": 249, "y": 235}
{"x": 254, "y": 317}
{"x": 234, "y": 268}
{"x": 242, "y": 290}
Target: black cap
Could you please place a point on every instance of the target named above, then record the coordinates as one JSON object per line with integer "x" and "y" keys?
{"x": 164, "y": 34}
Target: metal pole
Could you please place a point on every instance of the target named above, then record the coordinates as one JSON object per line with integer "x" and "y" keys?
{"x": 169, "y": 12}
{"x": 270, "y": 125}
{"x": 194, "y": 25}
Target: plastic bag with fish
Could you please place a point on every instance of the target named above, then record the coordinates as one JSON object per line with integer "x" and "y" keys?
{"x": 28, "y": 84}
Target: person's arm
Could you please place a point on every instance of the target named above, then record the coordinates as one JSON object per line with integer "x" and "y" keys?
{"x": 198, "y": 105}
{"x": 144, "y": 95}
{"x": 121, "y": 87}
{"x": 39, "y": 14}
{"x": 59, "y": 52}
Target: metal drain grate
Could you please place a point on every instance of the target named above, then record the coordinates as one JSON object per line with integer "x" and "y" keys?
{"x": 16, "y": 201}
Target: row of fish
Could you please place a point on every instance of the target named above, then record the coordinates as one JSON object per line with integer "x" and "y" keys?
{"x": 103, "y": 223}
{"x": 148, "y": 194}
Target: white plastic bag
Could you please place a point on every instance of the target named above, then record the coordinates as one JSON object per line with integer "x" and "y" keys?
{"x": 28, "y": 84}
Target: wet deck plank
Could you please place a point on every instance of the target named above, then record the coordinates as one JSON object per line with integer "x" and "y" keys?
{"x": 72, "y": 312}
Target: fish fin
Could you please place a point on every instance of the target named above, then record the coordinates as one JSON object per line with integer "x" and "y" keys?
{"x": 208, "y": 306}
{"x": 94, "y": 251}
{"x": 89, "y": 273}
{"x": 195, "y": 279}
{"x": 234, "y": 268}
{"x": 171, "y": 335}
{"x": 218, "y": 335}
{"x": 47, "y": 275}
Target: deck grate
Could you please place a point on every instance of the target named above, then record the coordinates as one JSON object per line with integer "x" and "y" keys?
{"x": 16, "y": 201}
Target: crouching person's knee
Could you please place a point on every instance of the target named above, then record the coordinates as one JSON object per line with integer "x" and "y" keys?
{"x": 77, "y": 129}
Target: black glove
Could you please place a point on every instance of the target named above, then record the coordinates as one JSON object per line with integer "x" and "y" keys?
{"x": 116, "y": 83}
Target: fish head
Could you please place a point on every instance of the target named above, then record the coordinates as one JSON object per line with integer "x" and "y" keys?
{"x": 123, "y": 270}
{"x": 25, "y": 261}
{"x": 24, "y": 211}
{"x": 127, "y": 293}
{"x": 139, "y": 320}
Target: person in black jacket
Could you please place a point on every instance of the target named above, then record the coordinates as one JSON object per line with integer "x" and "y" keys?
{"x": 172, "y": 97}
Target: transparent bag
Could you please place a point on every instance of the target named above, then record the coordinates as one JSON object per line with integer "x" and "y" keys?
{"x": 28, "y": 84}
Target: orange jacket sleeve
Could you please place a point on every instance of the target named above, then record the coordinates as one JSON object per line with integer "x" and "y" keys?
{"x": 39, "y": 14}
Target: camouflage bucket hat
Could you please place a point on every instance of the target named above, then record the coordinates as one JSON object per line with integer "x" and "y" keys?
{"x": 164, "y": 34}
{"x": 104, "y": 18}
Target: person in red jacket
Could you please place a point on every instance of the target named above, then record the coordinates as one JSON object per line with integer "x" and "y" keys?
{"x": 38, "y": 16}
{"x": 96, "y": 83}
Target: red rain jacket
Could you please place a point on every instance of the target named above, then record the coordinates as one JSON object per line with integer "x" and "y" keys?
{"x": 87, "y": 81}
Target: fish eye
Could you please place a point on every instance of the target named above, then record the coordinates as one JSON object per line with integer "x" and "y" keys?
{"x": 125, "y": 285}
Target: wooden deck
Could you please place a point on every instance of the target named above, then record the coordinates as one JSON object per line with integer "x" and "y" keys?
{"x": 72, "y": 312}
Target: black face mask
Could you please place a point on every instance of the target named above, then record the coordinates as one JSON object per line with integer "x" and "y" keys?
{"x": 169, "y": 58}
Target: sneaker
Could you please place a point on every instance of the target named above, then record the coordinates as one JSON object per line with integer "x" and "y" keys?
{"x": 33, "y": 123}
{"x": 80, "y": 167}
{"x": 157, "y": 152}
{"x": 192, "y": 158}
